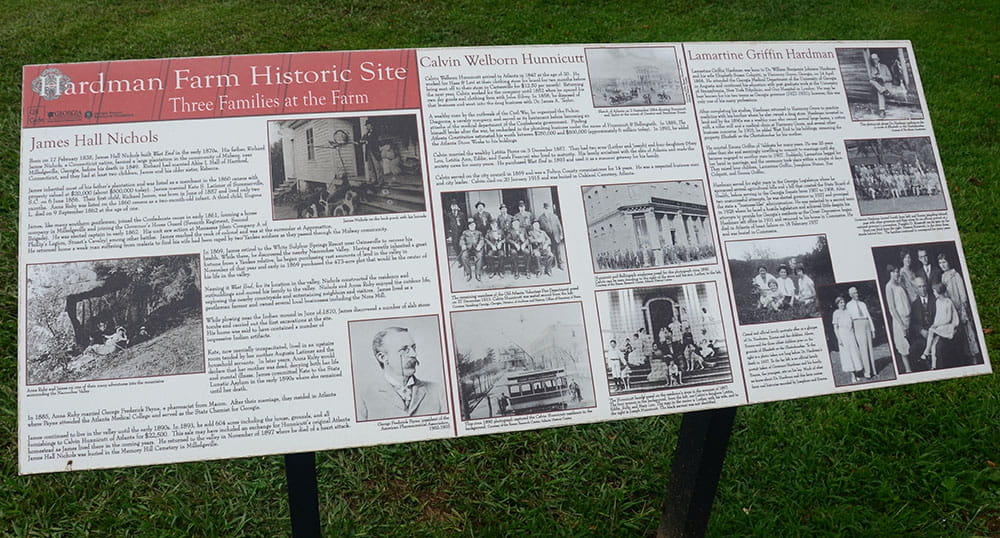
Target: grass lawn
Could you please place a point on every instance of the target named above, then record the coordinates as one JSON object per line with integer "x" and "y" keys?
{"x": 917, "y": 460}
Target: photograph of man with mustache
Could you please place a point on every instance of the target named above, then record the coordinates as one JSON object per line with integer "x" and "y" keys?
{"x": 398, "y": 392}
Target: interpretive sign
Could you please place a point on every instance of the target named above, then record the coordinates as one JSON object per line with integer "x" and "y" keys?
{"x": 246, "y": 255}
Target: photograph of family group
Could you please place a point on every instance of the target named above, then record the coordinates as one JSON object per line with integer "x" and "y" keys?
{"x": 776, "y": 279}
{"x": 634, "y": 76}
{"x": 344, "y": 166}
{"x": 504, "y": 238}
{"x": 662, "y": 337}
{"x": 895, "y": 175}
{"x": 522, "y": 360}
{"x": 928, "y": 304}
{"x": 879, "y": 83}
{"x": 114, "y": 319}
{"x": 856, "y": 333}
{"x": 648, "y": 225}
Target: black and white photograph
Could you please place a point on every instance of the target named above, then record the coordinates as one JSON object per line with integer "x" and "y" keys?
{"x": 879, "y": 83}
{"x": 634, "y": 76}
{"x": 927, "y": 301}
{"x": 114, "y": 319}
{"x": 522, "y": 360}
{"x": 648, "y": 225}
{"x": 856, "y": 333}
{"x": 398, "y": 368}
{"x": 504, "y": 238}
{"x": 775, "y": 279}
{"x": 895, "y": 175}
{"x": 662, "y": 338}
{"x": 338, "y": 167}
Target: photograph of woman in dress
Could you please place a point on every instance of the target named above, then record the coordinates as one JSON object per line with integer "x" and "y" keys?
{"x": 955, "y": 287}
{"x": 843, "y": 327}
{"x": 946, "y": 321}
{"x": 907, "y": 275}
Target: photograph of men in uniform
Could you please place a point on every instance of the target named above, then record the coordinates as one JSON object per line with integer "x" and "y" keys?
{"x": 385, "y": 374}
{"x": 550, "y": 225}
{"x": 482, "y": 217}
{"x": 495, "y": 249}
{"x": 471, "y": 251}
{"x": 454, "y": 225}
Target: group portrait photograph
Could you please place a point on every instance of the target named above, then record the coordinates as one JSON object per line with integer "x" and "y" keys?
{"x": 663, "y": 337}
{"x": 776, "y": 279}
{"x": 928, "y": 303}
{"x": 504, "y": 238}
{"x": 895, "y": 175}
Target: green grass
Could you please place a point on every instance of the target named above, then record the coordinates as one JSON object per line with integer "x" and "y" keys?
{"x": 915, "y": 460}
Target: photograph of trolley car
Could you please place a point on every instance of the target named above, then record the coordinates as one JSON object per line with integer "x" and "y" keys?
{"x": 504, "y": 238}
{"x": 648, "y": 225}
{"x": 663, "y": 337}
{"x": 522, "y": 360}
{"x": 338, "y": 167}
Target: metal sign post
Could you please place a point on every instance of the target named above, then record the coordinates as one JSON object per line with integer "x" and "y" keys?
{"x": 694, "y": 476}
{"x": 303, "y": 494}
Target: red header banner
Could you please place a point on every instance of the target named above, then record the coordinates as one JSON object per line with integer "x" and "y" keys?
{"x": 217, "y": 87}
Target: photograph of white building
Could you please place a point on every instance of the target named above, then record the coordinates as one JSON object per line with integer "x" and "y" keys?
{"x": 648, "y": 225}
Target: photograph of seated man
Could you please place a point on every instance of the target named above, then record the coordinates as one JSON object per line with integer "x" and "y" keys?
{"x": 519, "y": 243}
{"x": 879, "y": 83}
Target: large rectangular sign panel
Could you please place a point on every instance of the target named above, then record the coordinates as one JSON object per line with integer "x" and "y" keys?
{"x": 247, "y": 255}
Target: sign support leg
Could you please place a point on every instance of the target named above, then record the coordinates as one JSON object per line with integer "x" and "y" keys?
{"x": 694, "y": 474}
{"x": 303, "y": 494}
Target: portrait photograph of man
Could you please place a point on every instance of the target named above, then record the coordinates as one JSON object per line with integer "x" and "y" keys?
{"x": 397, "y": 368}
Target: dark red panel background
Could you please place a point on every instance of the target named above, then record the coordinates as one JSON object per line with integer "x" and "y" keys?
{"x": 108, "y": 108}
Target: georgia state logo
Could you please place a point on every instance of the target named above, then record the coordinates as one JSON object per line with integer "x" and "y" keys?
{"x": 50, "y": 84}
